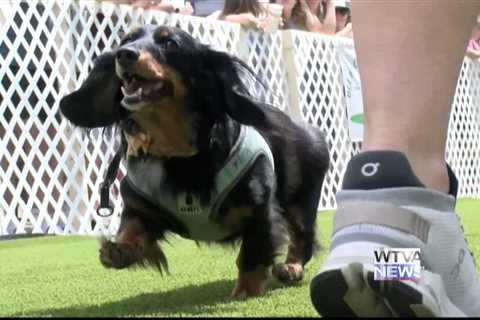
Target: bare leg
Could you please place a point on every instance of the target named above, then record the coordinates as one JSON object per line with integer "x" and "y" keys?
{"x": 409, "y": 70}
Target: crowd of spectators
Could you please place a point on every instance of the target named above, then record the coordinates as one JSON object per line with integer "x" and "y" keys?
{"x": 330, "y": 17}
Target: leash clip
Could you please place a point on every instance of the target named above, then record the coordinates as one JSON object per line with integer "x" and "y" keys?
{"x": 105, "y": 209}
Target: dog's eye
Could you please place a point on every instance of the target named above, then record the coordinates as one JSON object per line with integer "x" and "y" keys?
{"x": 168, "y": 44}
{"x": 131, "y": 37}
{"x": 127, "y": 39}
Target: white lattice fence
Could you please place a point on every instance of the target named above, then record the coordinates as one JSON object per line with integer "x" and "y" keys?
{"x": 265, "y": 55}
{"x": 463, "y": 143}
{"x": 50, "y": 172}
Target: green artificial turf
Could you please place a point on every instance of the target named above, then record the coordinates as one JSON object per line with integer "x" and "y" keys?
{"x": 61, "y": 276}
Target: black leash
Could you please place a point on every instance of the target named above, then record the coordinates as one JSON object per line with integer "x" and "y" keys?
{"x": 106, "y": 208}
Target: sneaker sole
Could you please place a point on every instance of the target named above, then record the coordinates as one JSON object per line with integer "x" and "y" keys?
{"x": 352, "y": 291}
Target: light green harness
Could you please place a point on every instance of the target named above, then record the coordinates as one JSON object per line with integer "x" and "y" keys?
{"x": 147, "y": 178}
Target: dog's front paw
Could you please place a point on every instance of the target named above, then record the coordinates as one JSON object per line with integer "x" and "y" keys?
{"x": 251, "y": 284}
{"x": 288, "y": 273}
{"x": 119, "y": 255}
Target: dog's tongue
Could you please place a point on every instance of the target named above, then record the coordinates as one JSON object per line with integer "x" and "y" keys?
{"x": 138, "y": 93}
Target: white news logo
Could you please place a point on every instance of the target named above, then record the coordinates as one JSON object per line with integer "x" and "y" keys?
{"x": 397, "y": 264}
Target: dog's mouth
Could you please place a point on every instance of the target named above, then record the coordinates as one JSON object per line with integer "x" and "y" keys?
{"x": 140, "y": 92}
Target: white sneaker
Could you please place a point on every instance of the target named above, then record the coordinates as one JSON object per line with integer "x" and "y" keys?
{"x": 404, "y": 215}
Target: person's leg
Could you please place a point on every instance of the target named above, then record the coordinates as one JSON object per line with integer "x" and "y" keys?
{"x": 410, "y": 54}
{"x": 395, "y": 191}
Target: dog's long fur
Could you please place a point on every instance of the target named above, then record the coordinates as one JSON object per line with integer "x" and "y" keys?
{"x": 206, "y": 90}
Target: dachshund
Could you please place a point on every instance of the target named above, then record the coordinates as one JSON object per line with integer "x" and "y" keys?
{"x": 205, "y": 158}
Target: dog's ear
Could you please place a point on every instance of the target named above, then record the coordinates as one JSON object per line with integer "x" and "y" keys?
{"x": 242, "y": 108}
{"x": 97, "y": 102}
{"x": 231, "y": 75}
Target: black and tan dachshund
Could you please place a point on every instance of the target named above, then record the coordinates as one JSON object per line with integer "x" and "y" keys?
{"x": 205, "y": 159}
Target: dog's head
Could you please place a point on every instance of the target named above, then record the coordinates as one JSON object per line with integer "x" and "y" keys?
{"x": 174, "y": 88}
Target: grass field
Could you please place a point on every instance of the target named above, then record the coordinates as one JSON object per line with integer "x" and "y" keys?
{"x": 61, "y": 276}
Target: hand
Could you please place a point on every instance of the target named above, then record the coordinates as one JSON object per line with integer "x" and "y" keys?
{"x": 311, "y": 20}
{"x": 287, "y": 7}
{"x": 347, "y": 31}
{"x": 246, "y": 20}
{"x": 270, "y": 23}
{"x": 250, "y": 21}
{"x": 187, "y": 10}
{"x": 144, "y": 4}
{"x": 287, "y": 4}
{"x": 153, "y": 5}
{"x": 304, "y": 6}
{"x": 472, "y": 53}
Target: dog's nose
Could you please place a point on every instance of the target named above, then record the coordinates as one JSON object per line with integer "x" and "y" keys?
{"x": 126, "y": 57}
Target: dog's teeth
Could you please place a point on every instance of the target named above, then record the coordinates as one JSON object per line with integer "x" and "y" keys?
{"x": 126, "y": 94}
{"x": 139, "y": 92}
